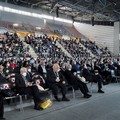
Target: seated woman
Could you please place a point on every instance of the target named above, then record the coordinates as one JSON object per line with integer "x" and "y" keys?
{"x": 40, "y": 82}
{"x": 5, "y": 84}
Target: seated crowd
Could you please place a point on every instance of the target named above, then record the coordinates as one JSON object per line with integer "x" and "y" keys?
{"x": 95, "y": 49}
{"x": 52, "y": 70}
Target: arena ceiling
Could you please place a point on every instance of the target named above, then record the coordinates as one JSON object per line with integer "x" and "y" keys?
{"x": 101, "y": 10}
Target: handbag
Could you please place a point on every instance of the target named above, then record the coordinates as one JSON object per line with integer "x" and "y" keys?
{"x": 5, "y": 89}
{"x": 46, "y": 104}
{"x": 8, "y": 93}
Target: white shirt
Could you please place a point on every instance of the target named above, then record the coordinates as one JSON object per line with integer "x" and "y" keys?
{"x": 44, "y": 70}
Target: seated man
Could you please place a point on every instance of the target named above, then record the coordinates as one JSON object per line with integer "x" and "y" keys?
{"x": 2, "y": 79}
{"x": 42, "y": 69}
{"x": 56, "y": 81}
{"x": 75, "y": 81}
{"x": 25, "y": 86}
{"x": 92, "y": 78}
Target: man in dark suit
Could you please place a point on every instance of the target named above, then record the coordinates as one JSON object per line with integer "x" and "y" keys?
{"x": 2, "y": 80}
{"x": 56, "y": 81}
{"x": 24, "y": 85}
{"x": 42, "y": 69}
{"x": 29, "y": 73}
{"x": 76, "y": 82}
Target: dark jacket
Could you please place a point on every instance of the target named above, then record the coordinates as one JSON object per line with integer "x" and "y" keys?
{"x": 71, "y": 79}
{"x": 2, "y": 79}
{"x": 40, "y": 70}
{"x": 87, "y": 75}
{"x": 51, "y": 77}
{"x": 8, "y": 70}
{"x": 19, "y": 81}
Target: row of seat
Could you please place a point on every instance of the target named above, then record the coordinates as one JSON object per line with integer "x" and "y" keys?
{"x": 22, "y": 97}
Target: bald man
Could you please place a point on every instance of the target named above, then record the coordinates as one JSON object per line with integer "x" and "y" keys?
{"x": 56, "y": 81}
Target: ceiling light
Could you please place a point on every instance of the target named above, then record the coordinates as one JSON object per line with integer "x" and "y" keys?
{"x": 15, "y": 25}
{"x": 47, "y": 17}
{"x": 1, "y": 7}
{"x": 38, "y": 28}
{"x": 63, "y": 20}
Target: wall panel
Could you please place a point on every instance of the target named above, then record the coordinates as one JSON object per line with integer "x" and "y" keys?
{"x": 102, "y": 35}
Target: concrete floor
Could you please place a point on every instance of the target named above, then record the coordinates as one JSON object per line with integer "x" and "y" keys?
{"x": 99, "y": 107}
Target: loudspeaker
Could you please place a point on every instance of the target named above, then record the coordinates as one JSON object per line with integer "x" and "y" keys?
{"x": 92, "y": 21}
{"x": 57, "y": 11}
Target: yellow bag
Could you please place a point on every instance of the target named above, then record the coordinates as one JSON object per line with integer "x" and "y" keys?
{"x": 46, "y": 104}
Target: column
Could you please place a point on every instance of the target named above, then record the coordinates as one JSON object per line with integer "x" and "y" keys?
{"x": 116, "y": 44}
